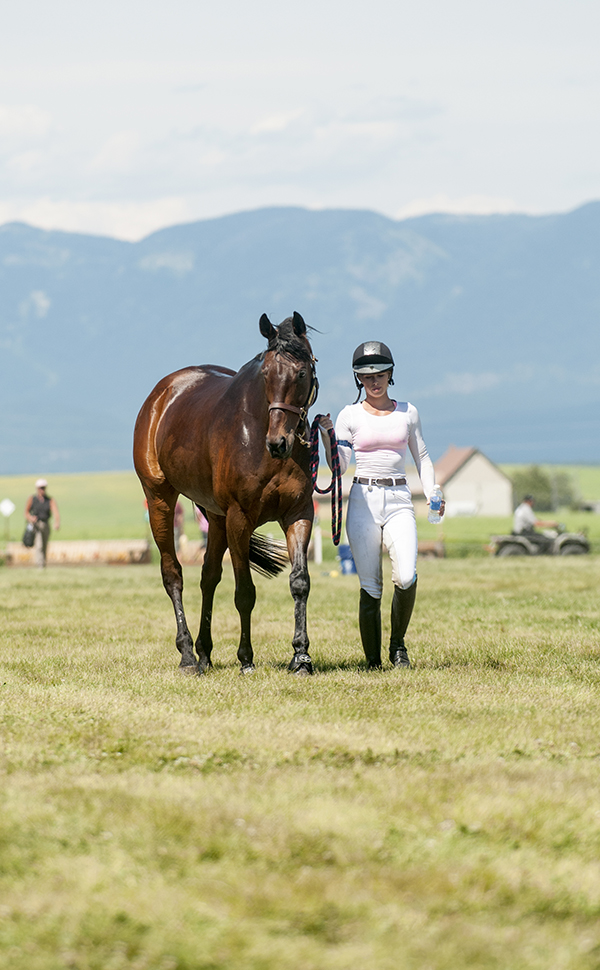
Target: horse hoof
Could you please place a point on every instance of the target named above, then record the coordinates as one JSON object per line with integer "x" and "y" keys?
{"x": 304, "y": 671}
{"x": 247, "y": 670}
{"x": 301, "y": 664}
{"x": 190, "y": 669}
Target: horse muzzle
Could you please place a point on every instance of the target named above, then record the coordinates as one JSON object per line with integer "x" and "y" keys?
{"x": 280, "y": 446}
{"x": 280, "y": 440}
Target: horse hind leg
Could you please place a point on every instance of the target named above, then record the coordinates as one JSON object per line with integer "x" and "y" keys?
{"x": 212, "y": 570}
{"x": 238, "y": 540}
{"x": 161, "y": 510}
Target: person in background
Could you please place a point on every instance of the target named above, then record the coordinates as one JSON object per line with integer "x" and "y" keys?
{"x": 178, "y": 523}
{"x": 380, "y": 510}
{"x": 202, "y": 526}
{"x": 525, "y": 523}
{"x": 39, "y": 510}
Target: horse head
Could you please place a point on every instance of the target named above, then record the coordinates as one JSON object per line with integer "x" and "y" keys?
{"x": 291, "y": 383}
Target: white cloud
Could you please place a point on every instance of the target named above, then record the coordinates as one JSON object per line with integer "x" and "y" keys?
{"x": 368, "y": 307}
{"x": 480, "y": 205}
{"x": 179, "y": 263}
{"x": 276, "y": 122}
{"x": 396, "y": 109}
{"x": 37, "y": 303}
{"x": 211, "y": 158}
{"x": 374, "y": 130}
{"x": 24, "y": 163}
{"x": 23, "y": 121}
{"x": 129, "y": 221}
{"x": 118, "y": 154}
{"x": 383, "y": 107}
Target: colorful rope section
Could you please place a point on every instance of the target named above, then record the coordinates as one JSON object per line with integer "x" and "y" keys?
{"x": 335, "y": 487}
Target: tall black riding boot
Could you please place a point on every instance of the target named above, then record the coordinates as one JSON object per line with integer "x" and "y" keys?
{"x": 369, "y": 619}
{"x": 402, "y": 607}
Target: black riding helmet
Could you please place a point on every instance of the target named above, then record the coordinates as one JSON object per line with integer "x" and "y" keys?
{"x": 372, "y": 357}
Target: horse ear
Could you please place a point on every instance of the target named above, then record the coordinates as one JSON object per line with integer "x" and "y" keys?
{"x": 266, "y": 327}
{"x": 299, "y": 325}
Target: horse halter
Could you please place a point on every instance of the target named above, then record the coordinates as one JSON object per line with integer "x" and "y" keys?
{"x": 303, "y": 411}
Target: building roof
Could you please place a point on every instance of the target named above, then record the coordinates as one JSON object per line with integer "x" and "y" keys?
{"x": 452, "y": 461}
{"x": 447, "y": 466}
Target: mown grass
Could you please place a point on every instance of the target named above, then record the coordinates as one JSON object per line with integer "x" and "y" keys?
{"x": 440, "y": 818}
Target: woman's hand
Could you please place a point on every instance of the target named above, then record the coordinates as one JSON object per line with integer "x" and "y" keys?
{"x": 325, "y": 424}
{"x": 442, "y": 507}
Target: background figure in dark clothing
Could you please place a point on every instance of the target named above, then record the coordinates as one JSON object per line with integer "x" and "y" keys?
{"x": 39, "y": 510}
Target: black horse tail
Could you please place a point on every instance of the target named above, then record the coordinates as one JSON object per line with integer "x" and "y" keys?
{"x": 267, "y": 556}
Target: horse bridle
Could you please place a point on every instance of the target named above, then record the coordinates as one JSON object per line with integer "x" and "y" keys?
{"x": 303, "y": 411}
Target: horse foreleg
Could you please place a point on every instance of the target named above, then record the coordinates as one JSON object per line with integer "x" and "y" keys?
{"x": 212, "y": 570}
{"x": 161, "y": 509}
{"x": 238, "y": 540}
{"x": 297, "y": 535}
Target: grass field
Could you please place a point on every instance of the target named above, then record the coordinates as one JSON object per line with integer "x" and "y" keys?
{"x": 440, "y": 818}
{"x": 110, "y": 505}
{"x": 104, "y": 505}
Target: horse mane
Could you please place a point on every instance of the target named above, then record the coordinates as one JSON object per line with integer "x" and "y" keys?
{"x": 287, "y": 343}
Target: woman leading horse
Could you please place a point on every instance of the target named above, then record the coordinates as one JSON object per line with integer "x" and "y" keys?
{"x": 233, "y": 444}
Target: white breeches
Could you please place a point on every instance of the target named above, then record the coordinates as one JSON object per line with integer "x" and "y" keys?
{"x": 377, "y": 515}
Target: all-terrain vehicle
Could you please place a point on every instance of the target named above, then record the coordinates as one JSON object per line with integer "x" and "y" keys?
{"x": 562, "y": 544}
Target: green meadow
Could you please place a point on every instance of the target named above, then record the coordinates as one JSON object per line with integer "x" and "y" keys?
{"x": 104, "y": 505}
{"x": 439, "y": 818}
{"x": 110, "y": 505}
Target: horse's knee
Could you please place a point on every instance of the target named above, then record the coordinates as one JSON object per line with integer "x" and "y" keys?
{"x": 300, "y": 583}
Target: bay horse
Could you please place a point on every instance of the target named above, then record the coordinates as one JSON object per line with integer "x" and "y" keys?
{"x": 233, "y": 444}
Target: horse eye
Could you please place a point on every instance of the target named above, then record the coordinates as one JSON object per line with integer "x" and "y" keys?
{"x": 301, "y": 375}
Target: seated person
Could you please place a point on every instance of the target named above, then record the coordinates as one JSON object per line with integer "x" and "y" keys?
{"x": 525, "y": 523}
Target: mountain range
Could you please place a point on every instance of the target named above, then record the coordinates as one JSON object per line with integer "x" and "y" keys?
{"x": 493, "y": 322}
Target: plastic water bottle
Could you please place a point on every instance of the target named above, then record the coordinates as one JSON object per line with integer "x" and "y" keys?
{"x": 435, "y": 503}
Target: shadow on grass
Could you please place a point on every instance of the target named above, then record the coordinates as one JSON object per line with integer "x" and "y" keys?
{"x": 325, "y": 666}
{"x": 357, "y": 665}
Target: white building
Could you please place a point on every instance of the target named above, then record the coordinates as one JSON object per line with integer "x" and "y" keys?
{"x": 472, "y": 484}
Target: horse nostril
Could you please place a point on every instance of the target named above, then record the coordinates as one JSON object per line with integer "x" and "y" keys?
{"x": 277, "y": 449}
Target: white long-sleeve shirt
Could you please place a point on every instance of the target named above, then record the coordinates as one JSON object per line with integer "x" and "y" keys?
{"x": 380, "y": 442}
{"x": 525, "y": 518}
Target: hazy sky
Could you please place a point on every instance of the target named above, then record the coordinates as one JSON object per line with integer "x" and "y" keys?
{"x": 124, "y": 116}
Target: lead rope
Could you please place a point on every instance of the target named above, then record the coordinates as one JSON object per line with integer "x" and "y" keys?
{"x": 335, "y": 486}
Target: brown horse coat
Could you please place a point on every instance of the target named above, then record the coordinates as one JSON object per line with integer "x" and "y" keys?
{"x": 229, "y": 441}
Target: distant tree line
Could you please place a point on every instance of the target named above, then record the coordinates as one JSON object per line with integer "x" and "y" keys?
{"x": 550, "y": 490}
